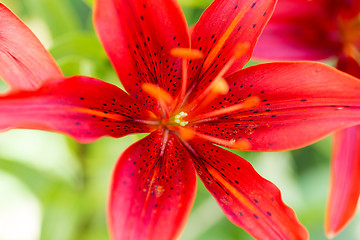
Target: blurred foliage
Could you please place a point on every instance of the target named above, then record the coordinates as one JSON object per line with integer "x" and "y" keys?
{"x": 70, "y": 179}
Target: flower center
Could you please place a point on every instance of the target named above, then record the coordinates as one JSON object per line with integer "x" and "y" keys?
{"x": 181, "y": 115}
{"x": 178, "y": 119}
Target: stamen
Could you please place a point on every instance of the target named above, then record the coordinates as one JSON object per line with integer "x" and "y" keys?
{"x": 220, "y": 87}
{"x": 248, "y": 103}
{"x": 242, "y": 144}
{"x": 157, "y": 92}
{"x": 240, "y": 50}
{"x": 188, "y": 134}
{"x": 164, "y": 142}
{"x": 164, "y": 98}
{"x": 148, "y": 122}
{"x": 185, "y": 54}
{"x": 251, "y": 102}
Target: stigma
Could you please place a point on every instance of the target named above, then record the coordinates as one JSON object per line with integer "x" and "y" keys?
{"x": 178, "y": 119}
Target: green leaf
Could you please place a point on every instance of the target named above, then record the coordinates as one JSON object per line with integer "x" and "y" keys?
{"x": 81, "y": 53}
{"x": 89, "y": 2}
{"x": 78, "y": 43}
{"x": 58, "y": 15}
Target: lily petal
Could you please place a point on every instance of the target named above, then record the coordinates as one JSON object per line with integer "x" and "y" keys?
{"x": 345, "y": 175}
{"x": 299, "y": 30}
{"x": 153, "y": 190}
{"x": 299, "y": 104}
{"x": 24, "y": 62}
{"x": 248, "y": 200}
{"x": 82, "y": 107}
{"x": 224, "y": 25}
{"x": 138, "y": 37}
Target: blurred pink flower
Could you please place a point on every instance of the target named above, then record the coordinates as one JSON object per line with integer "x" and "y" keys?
{"x": 317, "y": 30}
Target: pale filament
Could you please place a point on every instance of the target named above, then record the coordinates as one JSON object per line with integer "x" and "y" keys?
{"x": 210, "y": 93}
{"x": 248, "y": 103}
{"x": 219, "y": 85}
{"x": 163, "y": 97}
{"x": 186, "y": 54}
{"x": 188, "y": 134}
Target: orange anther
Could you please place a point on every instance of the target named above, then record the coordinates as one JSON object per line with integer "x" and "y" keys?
{"x": 157, "y": 92}
{"x": 220, "y": 86}
{"x": 242, "y": 144}
{"x": 186, "y": 53}
{"x": 251, "y": 102}
{"x": 186, "y": 133}
{"x": 241, "y": 49}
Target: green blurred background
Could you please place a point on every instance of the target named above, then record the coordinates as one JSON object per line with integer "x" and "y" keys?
{"x": 52, "y": 188}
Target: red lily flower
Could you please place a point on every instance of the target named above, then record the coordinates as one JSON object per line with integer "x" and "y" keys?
{"x": 316, "y": 30}
{"x": 188, "y": 99}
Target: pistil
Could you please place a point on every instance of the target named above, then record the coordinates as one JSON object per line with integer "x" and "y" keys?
{"x": 178, "y": 119}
